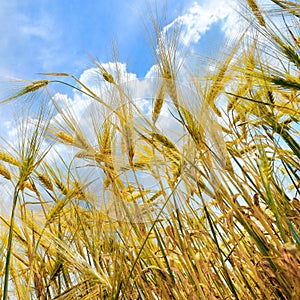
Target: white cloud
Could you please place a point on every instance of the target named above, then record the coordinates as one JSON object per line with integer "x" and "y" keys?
{"x": 140, "y": 91}
{"x": 92, "y": 76}
{"x": 62, "y": 99}
{"x": 200, "y": 17}
{"x": 42, "y": 27}
{"x": 94, "y": 80}
{"x": 85, "y": 110}
{"x": 153, "y": 72}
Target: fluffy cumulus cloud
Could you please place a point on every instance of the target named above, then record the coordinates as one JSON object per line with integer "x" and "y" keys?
{"x": 141, "y": 91}
{"x": 199, "y": 18}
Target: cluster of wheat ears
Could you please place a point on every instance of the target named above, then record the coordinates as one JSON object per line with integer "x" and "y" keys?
{"x": 193, "y": 234}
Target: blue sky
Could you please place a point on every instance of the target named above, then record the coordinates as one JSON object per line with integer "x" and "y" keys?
{"x": 40, "y": 36}
{"x": 48, "y": 36}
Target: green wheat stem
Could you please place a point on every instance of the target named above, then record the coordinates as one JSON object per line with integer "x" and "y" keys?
{"x": 10, "y": 243}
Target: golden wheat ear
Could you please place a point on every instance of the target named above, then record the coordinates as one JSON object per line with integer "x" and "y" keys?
{"x": 9, "y": 159}
{"x": 46, "y": 181}
{"x": 30, "y": 88}
{"x": 158, "y": 103}
{"x": 257, "y": 12}
{"x": 4, "y": 172}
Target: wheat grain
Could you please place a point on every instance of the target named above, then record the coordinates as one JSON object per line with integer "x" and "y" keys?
{"x": 28, "y": 185}
{"x": 254, "y": 7}
{"x": 296, "y": 203}
{"x": 128, "y": 136}
{"x": 159, "y": 100}
{"x": 171, "y": 87}
{"x": 62, "y": 187}
{"x": 36, "y": 85}
{"x": 163, "y": 140}
{"x": 65, "y": 137}
{"x": 4, "y": 172}
{"x": 32, "y": 87}
{"x": 155, "y": 196}
{"x": 9, "y": 159}
{"x": 59, "y": 205}
{"x": 108, "y": 77}
{"x": 46, "y": 181}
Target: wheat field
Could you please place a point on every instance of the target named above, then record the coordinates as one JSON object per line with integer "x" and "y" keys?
{"x": 128, "y": 210}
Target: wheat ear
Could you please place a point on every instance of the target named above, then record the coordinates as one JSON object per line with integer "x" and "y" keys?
{"x": 4, "y": 172}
